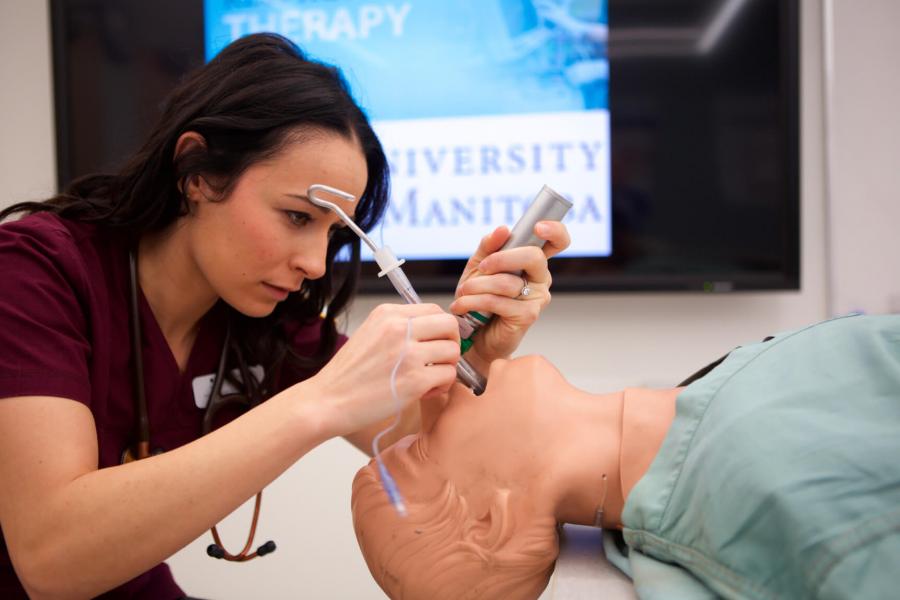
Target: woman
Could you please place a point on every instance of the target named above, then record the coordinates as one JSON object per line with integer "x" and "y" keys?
{"x": 201, "y": 256}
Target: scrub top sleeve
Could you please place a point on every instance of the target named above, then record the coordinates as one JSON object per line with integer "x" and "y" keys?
{"x": 43, "y": 327}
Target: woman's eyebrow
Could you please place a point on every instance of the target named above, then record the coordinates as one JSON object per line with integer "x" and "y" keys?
{"x": 305, "y": 198}
{"x": 321, "y": 209}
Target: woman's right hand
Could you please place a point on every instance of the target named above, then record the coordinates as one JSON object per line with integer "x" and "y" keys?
{"x": 355, "y": 384}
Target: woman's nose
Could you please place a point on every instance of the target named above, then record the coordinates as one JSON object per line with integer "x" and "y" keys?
{"x": 310, "y": 257}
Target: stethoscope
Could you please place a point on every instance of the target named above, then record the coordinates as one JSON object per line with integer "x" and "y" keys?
{"x": 243, "y": 401}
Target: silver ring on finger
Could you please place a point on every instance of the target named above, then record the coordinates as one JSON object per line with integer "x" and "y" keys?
{"x": 526, "y": 290}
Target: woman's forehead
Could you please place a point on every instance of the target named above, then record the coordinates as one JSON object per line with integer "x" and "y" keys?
{"x": 325, "y": 159}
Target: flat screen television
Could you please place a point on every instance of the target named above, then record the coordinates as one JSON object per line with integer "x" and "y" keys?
{"x": 672, "y": 125}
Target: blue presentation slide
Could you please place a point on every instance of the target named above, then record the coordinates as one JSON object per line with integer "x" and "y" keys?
{"x": 478, "y": 103}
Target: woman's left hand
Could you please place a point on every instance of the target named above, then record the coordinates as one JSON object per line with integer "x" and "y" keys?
{"x": 490, "y": 283}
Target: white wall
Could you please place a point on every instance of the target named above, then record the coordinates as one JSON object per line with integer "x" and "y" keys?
{"x": 864, "y": 142}
{"x": 599, "y": 341}
{"x": 28, "y": 142}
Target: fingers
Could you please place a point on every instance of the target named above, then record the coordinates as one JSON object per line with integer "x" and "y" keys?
{"x": 399, "y": 353}
{"x": 510, "y": 309}
{"x": 555, "y": 234}
{"x": 488, "y": 245}
{"x": 435, "y": 351}
{"x": 419, "y": 323}
{"x": 498, "y": 289}
{"x": 436, "y": 379}
{"x": 409, "y": 311}
{"x": 528, "y": 259}
{"x": 432, "y": 334}
{"x": 501, "y": 284}
{"x": 441, "y": 326}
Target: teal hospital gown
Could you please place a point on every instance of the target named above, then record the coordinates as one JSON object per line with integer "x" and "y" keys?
{"x": 780, "y": 475}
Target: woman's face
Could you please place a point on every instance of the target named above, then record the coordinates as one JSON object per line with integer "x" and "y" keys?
{"x": 265, "y": 238}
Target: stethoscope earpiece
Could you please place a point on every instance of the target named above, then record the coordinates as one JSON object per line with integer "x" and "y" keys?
{"x": 266, "y": 548}
{"x": 217, "y": 551}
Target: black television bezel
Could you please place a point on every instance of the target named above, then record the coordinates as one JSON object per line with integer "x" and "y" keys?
{"x": 441, "y": 276}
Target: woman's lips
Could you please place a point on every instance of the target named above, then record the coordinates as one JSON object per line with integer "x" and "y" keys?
{"x": 276, "y": 292}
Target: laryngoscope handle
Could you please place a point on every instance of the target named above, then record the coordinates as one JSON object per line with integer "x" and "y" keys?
{"x": 548, "y": 205}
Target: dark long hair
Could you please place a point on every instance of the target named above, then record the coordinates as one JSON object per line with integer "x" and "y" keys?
{"x": 248, "y": 103}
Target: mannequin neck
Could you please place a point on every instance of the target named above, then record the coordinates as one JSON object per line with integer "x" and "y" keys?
{"x": 614, "y": 439}
{"x": 588, "y": 459}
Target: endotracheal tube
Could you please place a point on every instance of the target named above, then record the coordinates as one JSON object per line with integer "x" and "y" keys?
{"x": 390, "y": 267}
{"x": 386, "y": 480}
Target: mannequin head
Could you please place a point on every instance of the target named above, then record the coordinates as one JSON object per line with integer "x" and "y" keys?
{"x": 444, "y": 549}
{"x": 484, "y": 484}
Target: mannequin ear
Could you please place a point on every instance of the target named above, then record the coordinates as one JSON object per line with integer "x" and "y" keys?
{"x": 493, "y": 529}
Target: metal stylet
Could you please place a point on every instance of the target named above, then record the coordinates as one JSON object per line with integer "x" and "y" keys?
{"x": 390, "y": 267}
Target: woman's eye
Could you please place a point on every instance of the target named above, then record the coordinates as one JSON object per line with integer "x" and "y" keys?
{"x": 298, "y": 218}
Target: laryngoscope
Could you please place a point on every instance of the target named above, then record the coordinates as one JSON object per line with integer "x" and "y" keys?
{"x": 547, "y": 206}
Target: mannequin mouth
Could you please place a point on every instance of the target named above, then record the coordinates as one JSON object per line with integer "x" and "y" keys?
{"x": 459, "y": 392}
{"x": 460, "y": 389}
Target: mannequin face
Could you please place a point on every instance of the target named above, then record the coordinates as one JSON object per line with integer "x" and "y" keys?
{"x": 480, "y": 489}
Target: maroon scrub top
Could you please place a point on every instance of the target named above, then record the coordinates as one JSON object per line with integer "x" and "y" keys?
{"x": 65, "y": 331}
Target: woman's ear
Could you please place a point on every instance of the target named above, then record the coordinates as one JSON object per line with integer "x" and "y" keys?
{"x": 196, "y": 190}
{"x": 193, "y": 188}
{"x": 188, "y": 141}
